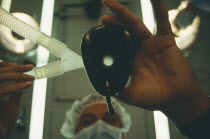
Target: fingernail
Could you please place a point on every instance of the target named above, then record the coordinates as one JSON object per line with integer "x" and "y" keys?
{"x": 30, "y": 65}
{"x": 32, "y": 77}
{"x": 29, "y": 83}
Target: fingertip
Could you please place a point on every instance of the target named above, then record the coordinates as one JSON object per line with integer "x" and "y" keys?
{"x": 103, "y": 18}
{"x": 29, "y": 83}
{"x": 26, "y": 78}
{"x": 101, "y": 24}
{"x": 32, "y": 78}
{"x": 29, "y": 66}
{"x": 111, "y": 20}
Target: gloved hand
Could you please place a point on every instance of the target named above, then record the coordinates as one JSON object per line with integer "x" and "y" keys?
{"x": 161, "y": 78}
{"x": 13, "y": 74}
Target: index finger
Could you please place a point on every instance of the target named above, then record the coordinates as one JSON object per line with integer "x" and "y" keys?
{"x": 12, "y": 88}
{"x": 161, "y": 14}
{"x": 5, "y": 64}
{"x": 16, "y": 68}
{"x": 8, "y": 77}
{"x": 128, "y": 18}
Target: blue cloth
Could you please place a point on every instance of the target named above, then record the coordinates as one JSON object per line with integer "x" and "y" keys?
{"x": 202, "y": 4}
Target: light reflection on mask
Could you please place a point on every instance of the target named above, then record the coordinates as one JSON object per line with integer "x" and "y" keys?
{"x": 100, "y": 130}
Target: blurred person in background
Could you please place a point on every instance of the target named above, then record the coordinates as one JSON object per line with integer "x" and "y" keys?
{"x": 88, "y": 118}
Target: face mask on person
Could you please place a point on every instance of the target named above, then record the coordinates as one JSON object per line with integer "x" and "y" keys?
{"x": 100, "y": 130}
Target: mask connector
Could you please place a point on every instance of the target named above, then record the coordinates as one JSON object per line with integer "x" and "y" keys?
{"x": 109, "y": 105}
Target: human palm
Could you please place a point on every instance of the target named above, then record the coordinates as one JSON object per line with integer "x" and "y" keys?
{"x": 160, "y": 74}
{"x": 161, "y": 78}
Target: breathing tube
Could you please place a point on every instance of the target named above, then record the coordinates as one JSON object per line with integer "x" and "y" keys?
{"x": 69, "y": 59}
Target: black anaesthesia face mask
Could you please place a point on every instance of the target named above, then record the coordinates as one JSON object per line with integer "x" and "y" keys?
{"x": 108, "y": 53}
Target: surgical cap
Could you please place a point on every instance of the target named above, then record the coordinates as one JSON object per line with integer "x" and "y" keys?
{"x": 68, "y": 128}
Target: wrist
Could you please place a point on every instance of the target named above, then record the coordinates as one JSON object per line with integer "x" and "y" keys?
{"x": 190, "y": 110}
